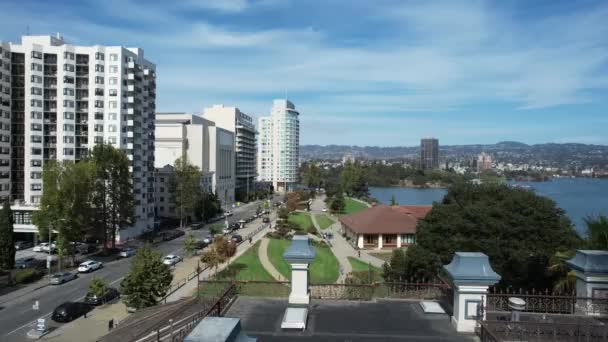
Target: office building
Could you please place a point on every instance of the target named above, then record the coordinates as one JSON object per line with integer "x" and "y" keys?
{"x": 279, "y": 146}
{"x": 429, "y": 153}
{"x": 64, "y": 100}
{"x": 241, "y": 125}
{"x": 484, "y": 162}
{"x": 208, "y": 147}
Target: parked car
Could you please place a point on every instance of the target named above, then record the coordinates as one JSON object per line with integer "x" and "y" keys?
{"x": 52, "y": 247}
{"x": 69, "y": 311}
{"x": 89, "y": 266}
{"x": 21, "y": 245}
{"x": 236, "y": 238}
{"x": 266, "y": 220}
{"x": 63, "y": 277}
{"x": 41, "y": 247}
{"x": 85, "y": 248}
{"x": 92, "y": 299}
{"x": 196, "y": 226}
{"x": 324, "y": 210}
{"x": 25, "y": 262}
{"x": 200, "y": 244}
{"x": 172, "y": 259}
{"x": 127, "y": 252}
{"x": 208, "y": 239}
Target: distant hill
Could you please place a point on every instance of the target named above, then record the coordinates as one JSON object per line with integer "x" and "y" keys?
{"x": 559, "y": 155}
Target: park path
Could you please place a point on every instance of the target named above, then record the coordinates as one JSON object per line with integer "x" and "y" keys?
{"x": 265, "y": 261}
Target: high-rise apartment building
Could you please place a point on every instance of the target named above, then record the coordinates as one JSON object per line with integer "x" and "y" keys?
{"x": 279, "y": 146}
{"x": 64, "y": 100}
{"x": 241, "y": 124}
{"x": 484, "y": 162}
{"x": 206, "y": 146}
{"x": 429, "y": 153}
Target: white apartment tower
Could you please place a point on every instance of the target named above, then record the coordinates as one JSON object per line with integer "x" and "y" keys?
{"x": 64, "y": 100}
{"x": 206, "y": 146}
{"x": 241, "y": 124}
{"x": 279, "y": 146}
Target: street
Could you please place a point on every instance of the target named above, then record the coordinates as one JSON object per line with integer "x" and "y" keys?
{"x": 17, "y": 315}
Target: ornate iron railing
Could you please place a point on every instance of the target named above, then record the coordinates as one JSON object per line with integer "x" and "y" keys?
{"x": 495, "y": 331}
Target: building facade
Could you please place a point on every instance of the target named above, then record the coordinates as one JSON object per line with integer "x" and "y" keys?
{"x": 429, "y": 153}
{"x": 241, "y": 125}
{"x": 206, "y": 146}
{"x": 279, "y": 146}
{"x": 64, "y": 100}
{"x": 484, "y": 162}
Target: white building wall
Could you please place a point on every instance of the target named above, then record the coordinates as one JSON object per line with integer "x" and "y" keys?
{"x": 79, "y": 96}
{"x": 5, "y": 122}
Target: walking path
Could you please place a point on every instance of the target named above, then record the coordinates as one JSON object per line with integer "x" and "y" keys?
{"x": 340, "y": 250}
{"x": 263, "y": 256}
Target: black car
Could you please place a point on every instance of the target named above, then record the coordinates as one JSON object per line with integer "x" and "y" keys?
{"x": 200, "y": 244}
{"x": 69, "y": 311}
{"x": 92, "y": 299}
{"x": 196, "y": 226}
{"x": 236, "y": 238}
{"x": 266, "y": 220}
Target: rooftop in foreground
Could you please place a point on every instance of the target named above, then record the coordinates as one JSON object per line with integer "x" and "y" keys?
{"x": 340, "y": 320}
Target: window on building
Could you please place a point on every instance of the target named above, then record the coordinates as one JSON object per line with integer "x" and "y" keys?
{"x": 113, "y": 92}
{"x": 68, "y": 127}
{"x": 98, "y": 128}
{"x": 113, "y": 81}
{"x": 68, "y": 115}
{"x": 98, "y": 116}
{"x": 113, "y": 104}
{"x": 36, "y": 79}
{"x": 113, "y": 69}
{"x": 112, "y": 128}
{"x": 112, "y": 140}
{"x": 36, "y": 115}
{"x": 36, "y": 175}
{"x": 68, "y": 67}
{"x": 37, "y": 54}
{"x": 36, "y": 138}
{"x": 99, "y": 56}
{"x": 98, "y": 104}
{"x": 68, "y": 79}
{"x": 36, "y": 127}
{"x": 98, "y": 67}
{"x": 98, "y": 140}
{"x": 68, "y": 151}
{"x": 112, "y": 116}
{"x": 68, "y": 91}
{"x": 68, "y": 103}
{"x": 113, "y": 57}
{"x": 98, "y": 80}
{"x": 68, "y": 140}
{"x": 68, "y": 55}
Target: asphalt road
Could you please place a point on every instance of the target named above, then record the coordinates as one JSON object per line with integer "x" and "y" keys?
{"x": 17, "y": 315}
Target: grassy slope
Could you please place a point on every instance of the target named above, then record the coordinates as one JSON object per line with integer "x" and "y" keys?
{"x": 246, "y": 267}
{"x": 351, "y": 206}
{"x": 324, "y": 221}
{"x": 303, "y": 220}
{"x": 324, "y": 268}
{"x": 360, "y": 266}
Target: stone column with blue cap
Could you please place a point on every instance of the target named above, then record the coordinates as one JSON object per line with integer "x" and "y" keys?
{"x": 591, "y": 269}
{"x": 299, "y": 254}
{"x": 470, "y": 275}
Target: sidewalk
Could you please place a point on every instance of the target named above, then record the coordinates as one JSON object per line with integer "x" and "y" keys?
{"x": 263, "y": 256}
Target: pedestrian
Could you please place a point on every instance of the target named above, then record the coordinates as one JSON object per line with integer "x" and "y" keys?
{"x": 250, "y": 240}
{"x": 359, "y": 251}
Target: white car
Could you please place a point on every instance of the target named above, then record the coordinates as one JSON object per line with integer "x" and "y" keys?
{"x": 324, "y": 209}
{"x": 89, "y": 266}
{"x": 171, "y": 259}
{"x": 228, "y": 213}
{"x": 41, "y": 247}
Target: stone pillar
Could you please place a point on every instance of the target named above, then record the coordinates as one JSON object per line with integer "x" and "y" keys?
{"x": 380, "y": 241}
{"x": 470, "y": 275}
{"x": 299, "y": 254}
{"x": 360, "y": 241}
{"x": 398, "y": 240}
{"x": 591, "y": 268}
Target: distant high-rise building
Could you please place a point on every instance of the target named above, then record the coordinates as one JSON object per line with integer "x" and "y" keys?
{"x": 484, "y": 162}
{"x": 279, "y": 146}
{"x": 64, "y": 99}
{"x": 348, "y": 157}
{"x": 429, "y": 153}
{"x": 241, "y": 124}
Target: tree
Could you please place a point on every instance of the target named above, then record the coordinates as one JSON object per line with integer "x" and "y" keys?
{"x": 353, "y": 180}
{"x": 190, "y": 244}
{"x": 113, "y": 192}
{"x": 7, "y": 239}
{"x": 213, "y": 258}
{"x": 148, "y": 281}
{"x": 519, "y": 231}
{"x": 292, "y": 201}
{"x": 313, "y": 176}
{"x": 597, "y": 232}
{"x": 395, "y": 270}
{"x": 184, "y": 187}
{"x": 66, "y": 205}
{"x": 98, "y": 287}
{"x": 565, "y": 276}
{"x": 337, "y": 203}
{"x": 394, "y": 201}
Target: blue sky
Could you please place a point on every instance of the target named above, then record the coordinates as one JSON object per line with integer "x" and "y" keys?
{"x": 364, "y": 72}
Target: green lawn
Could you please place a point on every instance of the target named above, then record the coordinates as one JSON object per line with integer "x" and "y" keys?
{"x": 303, "y": 220}
{"x": 246, "y": 267}
{"x": 324, "y": 269}
{"x": 383, "y": 256}
{"x": 360, "y": 266}
{"x": 351, "y": 206}
{"x": 323, "y": 221}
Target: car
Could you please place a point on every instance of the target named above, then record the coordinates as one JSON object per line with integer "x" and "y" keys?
{"x": 69, "y": 311}
{"x": 21, "y": 245}
{"x": 85, "y": 248}
{"x": 52, "y": 247}
{"x": 266, "y": 220}
{"x": 196, "y": 226}
{"x": 127, "y": 252}
{"x": 208, "y": 239}
{"x": 25, "y": 262}
{"x": 63, "y": 277}
{"x": 228, "y": 213}
{"x": 89, "y": 266}
{"x": 324, "y": 210}
{"x": 172, "y": 259}
{"x": 93, "y": 299}
{"x": 236, "y": 238}
{"x": 200, "y": 244}
{"x": 41, "y": 247}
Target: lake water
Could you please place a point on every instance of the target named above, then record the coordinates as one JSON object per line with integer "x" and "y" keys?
{"x": 579, "y": 197}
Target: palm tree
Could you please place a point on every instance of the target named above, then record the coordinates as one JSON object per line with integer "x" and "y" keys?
{"x": 567, "y": 277}
{"x": 597, "y": 232}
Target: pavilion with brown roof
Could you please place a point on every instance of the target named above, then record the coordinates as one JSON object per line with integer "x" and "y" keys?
{"x": 384, "y": 226}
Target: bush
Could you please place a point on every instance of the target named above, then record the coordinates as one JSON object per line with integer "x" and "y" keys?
{"x": 28, "y": 275}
